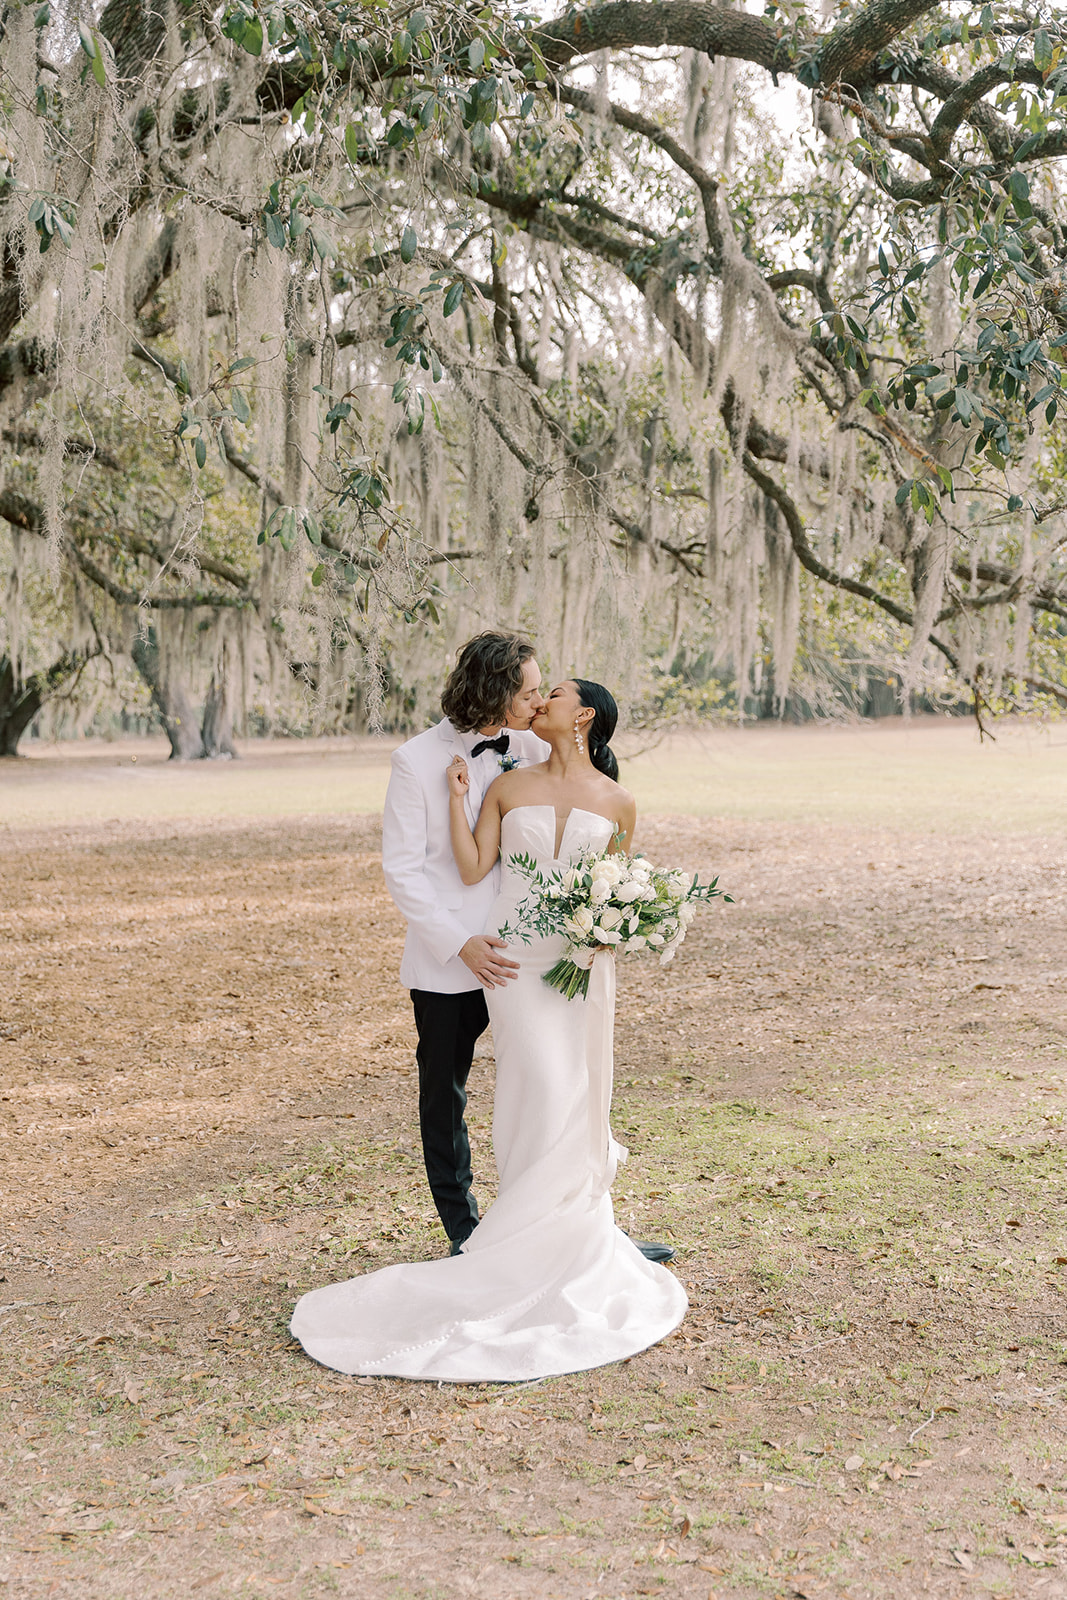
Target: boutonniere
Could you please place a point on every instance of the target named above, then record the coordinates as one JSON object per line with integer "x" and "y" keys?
{"x": 508, "y": 763}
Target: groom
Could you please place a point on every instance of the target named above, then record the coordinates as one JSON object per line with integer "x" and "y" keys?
{"x": 490, "y": 699}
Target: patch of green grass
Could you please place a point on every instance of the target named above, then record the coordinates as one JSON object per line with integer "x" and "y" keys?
{"x": 926, "y": 1200}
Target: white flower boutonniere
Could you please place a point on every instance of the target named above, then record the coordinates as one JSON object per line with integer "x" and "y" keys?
{"x": 508, "y": 763}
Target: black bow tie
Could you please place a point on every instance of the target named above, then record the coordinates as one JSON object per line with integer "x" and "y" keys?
{"x": 500, "y": 745}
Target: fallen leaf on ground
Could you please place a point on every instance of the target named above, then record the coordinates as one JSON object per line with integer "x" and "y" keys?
{"x": 804, "y": 1584}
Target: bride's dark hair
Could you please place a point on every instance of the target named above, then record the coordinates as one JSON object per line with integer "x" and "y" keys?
{"x": 600, "y": 730}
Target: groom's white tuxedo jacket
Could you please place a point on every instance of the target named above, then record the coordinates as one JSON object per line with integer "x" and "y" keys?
{"x": 441, "y": 911}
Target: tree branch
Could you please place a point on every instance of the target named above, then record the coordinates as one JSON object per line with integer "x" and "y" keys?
{"x": 1046, "y": 686}
{"x": 837, "y": 580}
{"x": 193, "y": 601}
{"x": 852, "y": 47}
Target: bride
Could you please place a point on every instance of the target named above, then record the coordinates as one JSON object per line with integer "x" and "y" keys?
{"x": 546, "y": 1283}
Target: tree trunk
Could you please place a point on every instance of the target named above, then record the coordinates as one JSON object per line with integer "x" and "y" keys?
{"x": 22, "y": 698}
{"x": 216, "y": 729}
{"x": 171, "y": 699}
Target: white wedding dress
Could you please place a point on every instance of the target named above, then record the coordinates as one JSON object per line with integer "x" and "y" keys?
{"x": 546, "y": 1283}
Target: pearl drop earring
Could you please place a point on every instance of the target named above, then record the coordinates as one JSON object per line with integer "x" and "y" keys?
{"x": 579, "y": 741}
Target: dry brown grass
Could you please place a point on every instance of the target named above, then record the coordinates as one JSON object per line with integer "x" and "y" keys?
{"x": 844, "y": 1103}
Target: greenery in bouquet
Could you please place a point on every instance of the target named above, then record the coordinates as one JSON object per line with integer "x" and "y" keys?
{"x": 605, "y": 900}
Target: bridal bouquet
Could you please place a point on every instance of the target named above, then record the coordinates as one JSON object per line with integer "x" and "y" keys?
{"x": 615, "y": 900}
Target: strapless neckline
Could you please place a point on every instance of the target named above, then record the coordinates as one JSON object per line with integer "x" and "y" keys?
{"x": 575, "y": 811}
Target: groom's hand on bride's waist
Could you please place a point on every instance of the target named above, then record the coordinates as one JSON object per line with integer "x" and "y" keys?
{"x": 482, "y": 954}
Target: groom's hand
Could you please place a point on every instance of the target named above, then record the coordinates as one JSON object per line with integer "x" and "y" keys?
{"x": 491, "y": 969}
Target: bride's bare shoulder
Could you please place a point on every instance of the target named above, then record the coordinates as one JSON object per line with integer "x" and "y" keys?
{"x": 514, "y": 787}
{"x": 616, "y": 793}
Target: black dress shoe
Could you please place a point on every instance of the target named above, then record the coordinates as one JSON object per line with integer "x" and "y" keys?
{"x": 654, "y": 1252}
{"x": 456, "y": 1247}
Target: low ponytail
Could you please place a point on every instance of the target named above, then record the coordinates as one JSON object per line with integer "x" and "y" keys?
{"x": 598, "y": 732}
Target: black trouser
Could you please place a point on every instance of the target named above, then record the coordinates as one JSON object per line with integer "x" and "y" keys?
{"x": 448, "y": 1027}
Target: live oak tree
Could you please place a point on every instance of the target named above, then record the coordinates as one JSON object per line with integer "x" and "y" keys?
{"x": 577, "y": 320}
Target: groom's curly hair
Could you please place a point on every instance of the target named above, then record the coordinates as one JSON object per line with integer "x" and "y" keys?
{"x": 486, "y": 676}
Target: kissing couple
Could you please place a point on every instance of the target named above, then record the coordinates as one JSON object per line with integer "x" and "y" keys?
{"x": 545, "y": 1283}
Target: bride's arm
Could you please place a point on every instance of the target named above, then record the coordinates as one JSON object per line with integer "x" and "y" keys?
{"x": 476, "y": 853}
{"x": 625, "y": 823}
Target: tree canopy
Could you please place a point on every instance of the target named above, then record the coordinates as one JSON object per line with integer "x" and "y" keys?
{"x": 731, "y": 341}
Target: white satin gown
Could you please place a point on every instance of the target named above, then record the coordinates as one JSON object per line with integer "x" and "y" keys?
{"x": 546, "y": 1283}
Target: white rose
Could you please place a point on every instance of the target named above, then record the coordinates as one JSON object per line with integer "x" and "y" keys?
{"x": 572, "y": 878}
{"x": 606, "y": 936}
{"x": 610, "y": 917}
{"x": 583, "y": 920}
{"x": 607, "y": 871}
{"x": 628, "y": 892}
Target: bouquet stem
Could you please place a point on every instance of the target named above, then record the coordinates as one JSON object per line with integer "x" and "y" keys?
{"x": 568, "y": 979}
